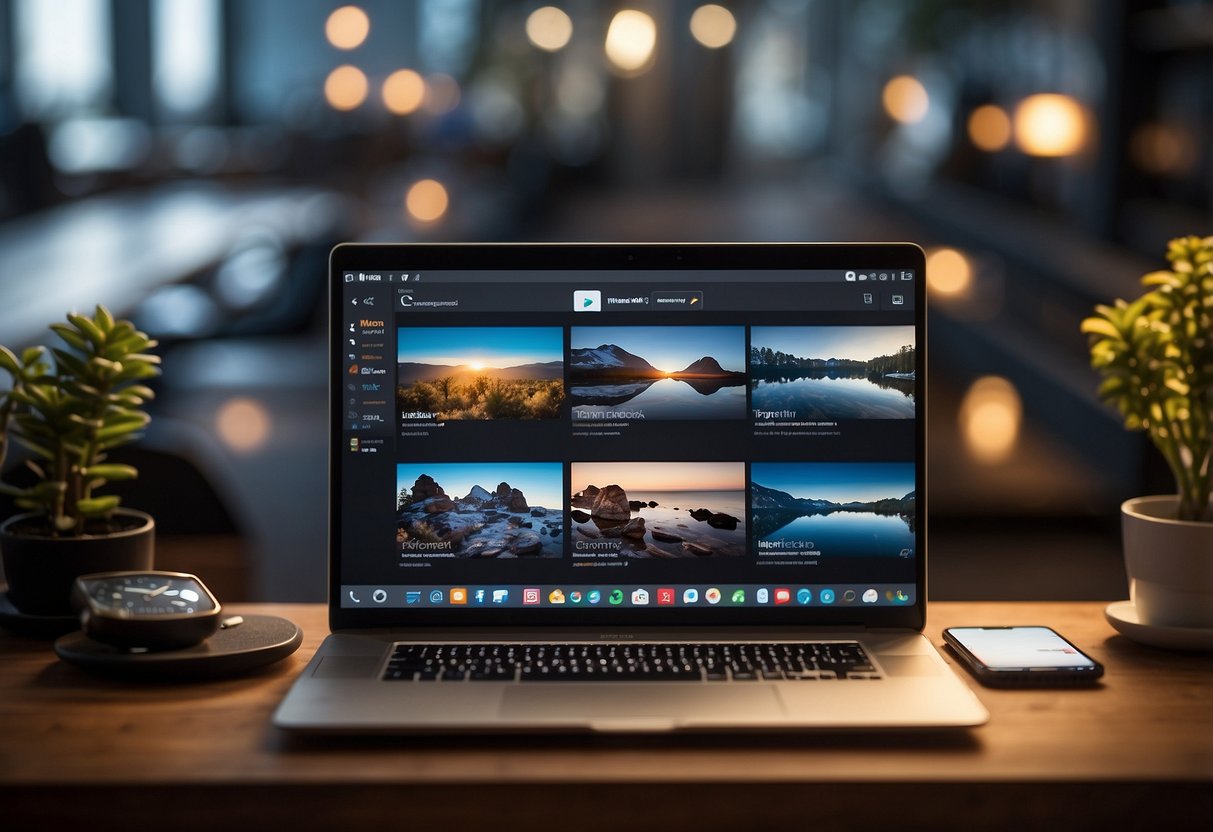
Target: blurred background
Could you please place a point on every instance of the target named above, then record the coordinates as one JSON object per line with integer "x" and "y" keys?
{"x": 190, "y": 162}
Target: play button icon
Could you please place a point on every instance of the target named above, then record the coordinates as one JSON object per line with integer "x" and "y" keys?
{"x": 587, "y": 300}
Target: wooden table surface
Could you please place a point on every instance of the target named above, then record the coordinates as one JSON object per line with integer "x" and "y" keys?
{"x": 1137, "y": 748}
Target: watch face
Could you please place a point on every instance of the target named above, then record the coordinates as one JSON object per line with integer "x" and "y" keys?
{"x": 149, "y": 594}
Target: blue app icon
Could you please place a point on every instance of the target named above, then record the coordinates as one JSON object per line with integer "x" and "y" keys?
{"x": 436, "y": 596}
{"x": 412, "y": 596}
{"x": 826, "y": 596}
{"x": 803, "y": 596}
{"x": 479, "y": 596}
{"x": 594, "y": 596}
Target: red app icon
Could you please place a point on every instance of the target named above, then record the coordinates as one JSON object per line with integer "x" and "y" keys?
{"x": 665, "y": 596}
{"x": 783, "y": 595}
{"x": 530, "y": 595}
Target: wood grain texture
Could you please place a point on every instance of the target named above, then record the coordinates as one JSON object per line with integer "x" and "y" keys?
{"x": 1144, "y": 735}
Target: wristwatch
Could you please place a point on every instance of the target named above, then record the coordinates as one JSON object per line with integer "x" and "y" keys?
{"x": 152, "y": 610}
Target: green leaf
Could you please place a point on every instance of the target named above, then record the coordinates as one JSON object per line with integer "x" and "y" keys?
{"x": 12, "y": 490}
{"x": 40, "y": 450}
{"x": 98, "y": 506}
{"x": 87, "y": 328}
{"x": 71, "y": 363}
{"x": 105, "y": 321}
{"x": 112, "y": 471}
{"x": 1100, "y": 326}
{"x": 70, "y": 336}
{"x": 64, "y": 524}
{"x": 30, "y": 355}
{"x": 8, "y": 361}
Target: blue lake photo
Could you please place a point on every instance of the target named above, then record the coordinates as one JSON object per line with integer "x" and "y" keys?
{"x": 847, "y": 533}
{"x": 833, "y": 397}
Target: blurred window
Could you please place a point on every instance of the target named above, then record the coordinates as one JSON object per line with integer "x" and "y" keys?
{"x": 63, "y": 53}
{"x": 186, "y": 57}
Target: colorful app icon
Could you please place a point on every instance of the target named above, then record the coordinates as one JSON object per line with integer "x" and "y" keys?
{"x": 640, "y": 597}
{"x": 435, "y": 596}
{"x": 575, "y": 596}
{"x": 826, "y": 596}
{"x": 763, "y": 595}
{"x": 530, "y": 596}
{"x": 413, "y": 596}
{"x": 690, "y": 596}
{"x": 803, "y": 595}
{"x": 783, "y": 595}
{"x": 738, "y": 596}
{"x": 556, "y": 596}
{"x": 459, "y": 595}
{"x": 500, "y": 596}
{"x": 615, "y": 598}
{"x": 712, "y": 595}
{"x": 870, "y": 596}
{"x": 593, "y": 596}
{"x": 665, "y": 596}
{"x": 848, "y": 596}
{"x": 900, "y": 596}
{"x": 478, "y": 595}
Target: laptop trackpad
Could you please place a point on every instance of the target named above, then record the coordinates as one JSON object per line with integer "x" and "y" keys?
{"x": 600, "y": 704}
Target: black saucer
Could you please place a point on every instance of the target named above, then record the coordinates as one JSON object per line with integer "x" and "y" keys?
{"x": 260, "y": 640}
{"x": 34, "y": 626}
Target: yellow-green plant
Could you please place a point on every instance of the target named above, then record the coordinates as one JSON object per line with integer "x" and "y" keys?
{"x": 1156, "y": 357}
{"x": 69, "y": 409}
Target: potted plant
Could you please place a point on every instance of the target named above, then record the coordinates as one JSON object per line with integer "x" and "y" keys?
{"x": 69, "y": 407}
{"x": 1156, "y": 358}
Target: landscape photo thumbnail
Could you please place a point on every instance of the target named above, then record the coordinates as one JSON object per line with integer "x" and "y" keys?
{"x": 834, "y": 508}
{"x": 657, "y": 372}
{"x": 833, "y": 372}
{"x": 452, "y": 373}
{"x": 480, "y": 510}
{"x": 658, "y": 509}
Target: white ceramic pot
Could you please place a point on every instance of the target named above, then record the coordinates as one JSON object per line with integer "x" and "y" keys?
{"x": 1169, "y": 563}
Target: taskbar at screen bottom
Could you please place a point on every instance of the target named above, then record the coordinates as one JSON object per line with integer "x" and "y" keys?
{"x": 363, "y": 596}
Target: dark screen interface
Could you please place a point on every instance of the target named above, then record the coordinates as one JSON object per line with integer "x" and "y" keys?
{"x": 625, "y": 439}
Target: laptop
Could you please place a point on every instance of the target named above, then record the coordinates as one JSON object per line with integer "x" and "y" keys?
{"x": 627, "y": 488}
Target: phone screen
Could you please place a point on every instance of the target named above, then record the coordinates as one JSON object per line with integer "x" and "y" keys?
{"x": 1006, "y": 648}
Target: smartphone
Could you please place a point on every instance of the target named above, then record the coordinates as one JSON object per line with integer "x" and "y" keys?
{"x": 1008, "y": 657}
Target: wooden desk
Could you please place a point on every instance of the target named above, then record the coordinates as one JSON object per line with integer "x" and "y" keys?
{"x": 1136, "y": 752}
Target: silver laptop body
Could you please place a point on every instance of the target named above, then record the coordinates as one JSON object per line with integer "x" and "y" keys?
{"x": 627, "y": 488}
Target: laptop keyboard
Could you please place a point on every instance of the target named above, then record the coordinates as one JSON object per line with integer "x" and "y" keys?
{"x": 646, "y": 662}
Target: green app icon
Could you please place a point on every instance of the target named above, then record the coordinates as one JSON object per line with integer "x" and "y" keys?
{"x": 739, "y": 596}
{"x": 616, "y": 597}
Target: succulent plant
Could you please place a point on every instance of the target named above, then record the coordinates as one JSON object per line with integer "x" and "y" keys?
{"x": 1156, "y": 357}
{"x": 69, "y": 407}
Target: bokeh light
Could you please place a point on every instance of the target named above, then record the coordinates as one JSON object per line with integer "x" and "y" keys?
{"x": 427, "y": 201}
{"x": 1164, "y": 149}
{"x": 713, "y": 26}
{"x": 991, "y": 414}
{"x": 243, "y": 424}
{"x": 442, "y": 94}
{"x": 631, "y": 41}
{"x": 1050, "y": 125}
{"x": 949, "y": 272}
{"x": 905, "y": 99}
{"x": 403, "y": 92}
{"x": 347, "y": 27}
{"x": 549, "y": 28}
{"x": 346, "y": 88}
{"x": 990, "y": 128}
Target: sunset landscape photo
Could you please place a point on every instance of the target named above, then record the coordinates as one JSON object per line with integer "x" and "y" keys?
{"x": 451, "y": 373}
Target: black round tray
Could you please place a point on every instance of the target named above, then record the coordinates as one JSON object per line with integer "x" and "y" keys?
{"x": 259, "y": 641}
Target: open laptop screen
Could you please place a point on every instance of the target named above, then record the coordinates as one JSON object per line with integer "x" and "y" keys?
{"x": 658, "y": 433}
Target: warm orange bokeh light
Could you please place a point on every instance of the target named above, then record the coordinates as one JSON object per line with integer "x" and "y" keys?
{"x": 713, "y": 26}
{"x": 427, "y": 201}
{"x": 243, "y": 424}
{"x": 345, "y": 88}
{"x": 990, "y": 417}
{"x": 403, "y": 92}
{"x": 631, "y": 41}
{"x": 347, "y": 27}
{"x": 549, "y": 28}
{"x": 949, "y": 272}
{"x": 906, "y": 100}
{"x": 1050, "y": 125}
{"x": 990, "y": 128}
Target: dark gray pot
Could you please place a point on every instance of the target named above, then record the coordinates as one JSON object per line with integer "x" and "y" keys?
{"x": 41, "y": 570}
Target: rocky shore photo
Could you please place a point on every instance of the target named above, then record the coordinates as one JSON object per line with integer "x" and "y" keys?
{"x": 832, "y": 509}
{"x": 448, "y": 373}
{"x": 456, "y": 510}
{"x": 658, "y": 509}
{"x": 649, "y": 372}
{"x": 833, "y": 372}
